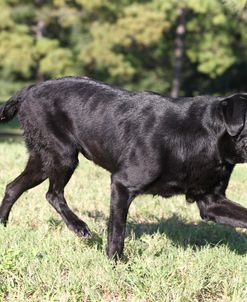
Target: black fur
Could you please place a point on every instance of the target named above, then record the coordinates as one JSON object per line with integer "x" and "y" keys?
{"x": 150, "y": 144}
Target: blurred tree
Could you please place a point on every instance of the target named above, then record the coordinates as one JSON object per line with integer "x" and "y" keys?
{"x": 179, "y": 52}
{"x": 136, "y": 44}
{"x": 236, "y": 5}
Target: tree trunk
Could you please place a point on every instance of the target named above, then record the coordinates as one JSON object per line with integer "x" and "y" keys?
{"x": 179, "y": 50}
{"x": 39, "y": 33}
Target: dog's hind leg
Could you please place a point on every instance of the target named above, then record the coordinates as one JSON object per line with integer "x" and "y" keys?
{"x": 32, "y": 176}
{"x": 221, "y": 210}
{"x": 60, "y": 176}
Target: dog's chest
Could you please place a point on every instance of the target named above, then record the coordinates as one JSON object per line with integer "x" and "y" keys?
{"x": 197, "y": 179}
{"x": 205, "y": 177}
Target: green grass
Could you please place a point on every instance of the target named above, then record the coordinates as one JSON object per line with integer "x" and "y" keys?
{"x": 171, "y": 255}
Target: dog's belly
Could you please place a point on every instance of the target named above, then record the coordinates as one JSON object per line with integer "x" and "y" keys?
{"x": 93, "y": 151}
{"x": 166, "y": 189}
{"x": 191, "y": 186}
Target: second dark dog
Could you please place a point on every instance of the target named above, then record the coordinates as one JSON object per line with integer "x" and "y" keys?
{"x": 150, "y": 144}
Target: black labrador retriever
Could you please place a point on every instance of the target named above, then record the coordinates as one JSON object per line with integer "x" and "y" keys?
{"x": 151, "y": 144}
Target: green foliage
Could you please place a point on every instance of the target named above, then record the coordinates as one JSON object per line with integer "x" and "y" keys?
{"x": 16, "y": 55}
{"x": 236, "y": 5}
{"x": 57, "y": 63}
{"x": 130, "y": 43}
{"x": 213, "y": 54}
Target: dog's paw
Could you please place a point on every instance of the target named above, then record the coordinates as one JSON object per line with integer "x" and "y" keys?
{"x": 3, "y": 221}
{"x": 81, "y": 229}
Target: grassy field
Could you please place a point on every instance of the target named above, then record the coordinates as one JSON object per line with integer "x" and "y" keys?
{"x": 171, "y": 255}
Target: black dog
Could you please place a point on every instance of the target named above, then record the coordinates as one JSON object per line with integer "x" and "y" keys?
{"x": 150, "y": 144}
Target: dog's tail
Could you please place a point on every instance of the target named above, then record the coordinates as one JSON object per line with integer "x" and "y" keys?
{"x": 11, "y": 107}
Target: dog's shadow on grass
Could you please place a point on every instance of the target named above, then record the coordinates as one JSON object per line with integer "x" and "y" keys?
{"x": 181, "y": 233}
{"x": 196, "y": 236}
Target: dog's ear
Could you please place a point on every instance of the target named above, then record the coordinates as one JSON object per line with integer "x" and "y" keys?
{"x": 234, "y": 112}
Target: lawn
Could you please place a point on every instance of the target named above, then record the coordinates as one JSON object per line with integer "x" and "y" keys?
{"x": 171, "y": 255}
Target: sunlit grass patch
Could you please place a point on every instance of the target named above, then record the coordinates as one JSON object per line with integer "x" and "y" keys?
{"x": 171, "y": 255}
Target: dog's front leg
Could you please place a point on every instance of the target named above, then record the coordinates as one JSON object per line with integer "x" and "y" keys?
{"x": 121, "y": 198}
{"x": 222, "y": 210}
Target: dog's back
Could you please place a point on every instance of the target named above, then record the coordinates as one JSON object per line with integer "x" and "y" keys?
{"x": 103, "y": 122}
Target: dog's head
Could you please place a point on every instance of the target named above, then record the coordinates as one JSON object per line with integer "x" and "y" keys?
{"x": 234, "y": 109}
